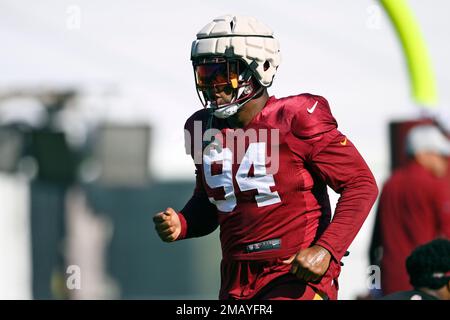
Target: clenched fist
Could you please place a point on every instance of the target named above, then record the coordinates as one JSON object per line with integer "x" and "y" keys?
{"x": 167, "y": 224}
{"x": 310, "y": 264}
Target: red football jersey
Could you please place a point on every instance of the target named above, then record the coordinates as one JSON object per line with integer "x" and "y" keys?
{"x": 265, "y": 185}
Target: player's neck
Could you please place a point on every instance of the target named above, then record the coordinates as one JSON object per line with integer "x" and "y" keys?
{"x": 245, "y": 114}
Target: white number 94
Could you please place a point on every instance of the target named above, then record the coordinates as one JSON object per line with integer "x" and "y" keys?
{"x": 261, "y": 181}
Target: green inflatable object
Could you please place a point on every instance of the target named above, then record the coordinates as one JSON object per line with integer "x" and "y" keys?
{"x": 419, "y": 64}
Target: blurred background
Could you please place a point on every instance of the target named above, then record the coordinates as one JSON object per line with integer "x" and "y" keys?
{"x": 93, "y": 99}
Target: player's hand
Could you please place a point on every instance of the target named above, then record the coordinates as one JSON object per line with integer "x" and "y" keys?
{"x": 168, "y": 225}
{"x": 310, "y": 264}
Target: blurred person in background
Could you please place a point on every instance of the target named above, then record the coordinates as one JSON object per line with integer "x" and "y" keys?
{"x": 428, "y": 268}
{"x": 414, "y": 206}
{"x": 278, "y": 239}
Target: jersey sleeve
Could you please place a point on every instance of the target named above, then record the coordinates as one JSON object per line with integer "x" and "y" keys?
{"x": 337, "y": 161}
{"x": 193, "y": 134}
{"x": 312, "y": 117}
{"x": 199, "y": 216}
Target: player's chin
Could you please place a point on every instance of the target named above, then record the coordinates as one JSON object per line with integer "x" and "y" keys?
{"x": 220, "y": 103}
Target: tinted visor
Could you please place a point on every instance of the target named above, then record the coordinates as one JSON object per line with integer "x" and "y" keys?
{"x": 216, "y": 75}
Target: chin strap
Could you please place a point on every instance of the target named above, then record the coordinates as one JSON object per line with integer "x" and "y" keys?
{"x": 231, "y": 109}
{"x": 227, "y": 111}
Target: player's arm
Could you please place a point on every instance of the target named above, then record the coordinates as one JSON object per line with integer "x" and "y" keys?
{"x": 337, "y": 162}
{"x": 198, "y": 217}
{"x": 345, "y": 171}
{"x": 341, "y": 166}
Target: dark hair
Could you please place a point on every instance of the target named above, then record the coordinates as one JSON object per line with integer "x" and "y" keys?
{"x": 428, "y": 263}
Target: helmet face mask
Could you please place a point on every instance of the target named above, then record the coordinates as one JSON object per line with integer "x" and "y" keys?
{"x": 215, "y": 75}
{"x": 234, "y": 55}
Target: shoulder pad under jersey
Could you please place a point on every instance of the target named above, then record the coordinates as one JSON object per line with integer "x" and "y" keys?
{"x": 312, "y": 115}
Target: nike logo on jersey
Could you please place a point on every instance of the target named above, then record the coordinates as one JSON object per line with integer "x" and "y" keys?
{"x": 311, "y": 110}
{"x": 344, "y": 142}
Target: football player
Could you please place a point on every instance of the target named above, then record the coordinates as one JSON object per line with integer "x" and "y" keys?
{"x": 262, "y": 169}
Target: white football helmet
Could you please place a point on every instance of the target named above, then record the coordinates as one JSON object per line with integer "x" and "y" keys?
{"x": 228, "y": 53}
